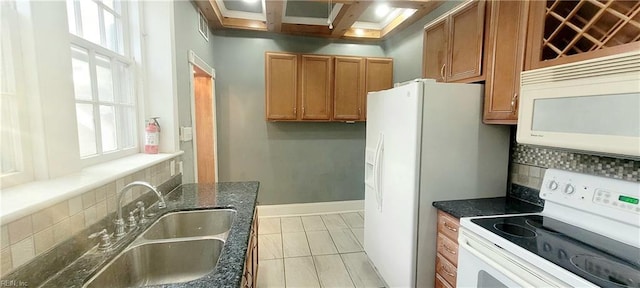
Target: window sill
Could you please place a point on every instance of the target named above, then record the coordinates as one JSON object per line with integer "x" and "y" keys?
{"x": 25, "y": 199}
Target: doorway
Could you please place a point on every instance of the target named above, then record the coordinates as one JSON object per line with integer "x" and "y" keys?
{"x": 204, "y": 121}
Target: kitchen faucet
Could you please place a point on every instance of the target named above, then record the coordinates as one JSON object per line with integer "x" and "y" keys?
{"x": 119, "y": 222}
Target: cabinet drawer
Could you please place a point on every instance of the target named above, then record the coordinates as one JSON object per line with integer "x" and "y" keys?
{"x": 441, "y": 283}
{"x": 448, "y": 225}
{"x": 448, "y": 249}
{"x": 446, "y": 270}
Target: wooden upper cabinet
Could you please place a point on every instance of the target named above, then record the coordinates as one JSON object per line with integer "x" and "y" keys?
{"x": 562, "y": 32}
{"x": 281, "y": 72}
{"x": 504, "y": 60}
{"x": 349, "y": 85}
{"x": 435, "y": 50}
{"x": 453, "y": 45}
{"x": 316, "y": 79}
{"x": 379, "y": 77}
{"x": 466, "y": 36}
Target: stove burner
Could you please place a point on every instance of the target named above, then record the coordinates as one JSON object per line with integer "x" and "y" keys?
{"x": 515, "y": 230}
{"x": 535, "y": 223}
{"x": 613, "y": 273}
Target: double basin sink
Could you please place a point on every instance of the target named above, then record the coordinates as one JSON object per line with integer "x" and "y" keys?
{"x": 179, "y": 247}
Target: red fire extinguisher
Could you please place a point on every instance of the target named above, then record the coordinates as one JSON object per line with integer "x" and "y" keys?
{"x": 152, "y": 136}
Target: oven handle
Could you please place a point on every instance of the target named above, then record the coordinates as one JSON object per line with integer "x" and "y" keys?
{"x": 464, "y": 244}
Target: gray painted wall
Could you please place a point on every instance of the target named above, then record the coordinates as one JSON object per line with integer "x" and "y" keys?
{"x": 294, "y": 162}
{"x": 188, "y": 38}
{"x": 406, "y": 47}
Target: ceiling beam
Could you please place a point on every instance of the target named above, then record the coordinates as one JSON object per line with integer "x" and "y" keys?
{"x": 413, "y": 4}
{"x": 246, "y": 24}
{"x": 349, "y": 14}
{"x": 302, "y": 29}
{"x": 211, "y": 11}
{"x": 274, "y": 15}
{"x": 401, "y": 22}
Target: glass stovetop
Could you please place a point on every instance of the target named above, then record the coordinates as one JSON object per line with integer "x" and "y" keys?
{"x": 598, "y": 259}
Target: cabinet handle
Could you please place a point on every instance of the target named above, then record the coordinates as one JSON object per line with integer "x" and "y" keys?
{"x": 513, "y": 102}
{"x": 447, "y": 271}
{"x": 449, "y": 249}
{"x": 294, "y": 110}
{"x": 450, "y": 228}
{"x": 442, "y": 71}
{"x": 359, "y": 111}
{"x": 302, "y": 110}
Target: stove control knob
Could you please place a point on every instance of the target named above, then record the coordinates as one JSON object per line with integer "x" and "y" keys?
{"x": 553, "y": 185}
{"x": 569, "y": 189}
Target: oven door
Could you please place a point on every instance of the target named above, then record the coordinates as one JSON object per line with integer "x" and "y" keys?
{"x": 482, "y": 264}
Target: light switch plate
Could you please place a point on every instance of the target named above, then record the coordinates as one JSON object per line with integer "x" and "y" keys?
{"x": 186, "y": 134}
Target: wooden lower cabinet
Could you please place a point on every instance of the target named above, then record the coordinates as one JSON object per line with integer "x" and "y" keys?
{"x": 447, "y": 250}
{"x": 250, "y": 272}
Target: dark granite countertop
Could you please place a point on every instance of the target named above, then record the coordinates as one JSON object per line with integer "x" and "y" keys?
{"x": 240, "y": 196}
{"x": 486, "y": 207}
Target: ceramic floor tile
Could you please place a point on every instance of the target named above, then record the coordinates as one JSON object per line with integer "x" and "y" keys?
{"x": 313, "y": 223}
{"x": 332, "y": 272}
{"x": 359, "y": 233}
{"x": 271, "y": 273}
{"x": 295, "y": 244}
{"x": 354, "y": 220}
{"x": 334, "y": 221}
{"x": 360, "y": 269}
{"x": 300, "y": 272}
{"x": 320, "y": 243}
{"x": 270, "y": 246}
{"x": 345, "y": 241}
{"x": 269, "y": 226}
{"x": 291, "y": 224}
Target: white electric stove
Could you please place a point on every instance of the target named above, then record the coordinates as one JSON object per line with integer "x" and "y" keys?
{"x": 588, "y": 235}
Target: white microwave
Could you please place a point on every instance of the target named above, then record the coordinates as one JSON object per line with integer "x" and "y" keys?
{"x": 592, "y": 106}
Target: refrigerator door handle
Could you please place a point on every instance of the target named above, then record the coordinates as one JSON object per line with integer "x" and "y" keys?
{"x": 378, "y": 170}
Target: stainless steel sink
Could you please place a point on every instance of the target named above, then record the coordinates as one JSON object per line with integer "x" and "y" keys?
{"x": 197, "y": 223}
{"x": 160, "y": 263}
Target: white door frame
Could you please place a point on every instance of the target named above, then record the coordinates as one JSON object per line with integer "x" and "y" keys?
{"x": 196, "y": 61}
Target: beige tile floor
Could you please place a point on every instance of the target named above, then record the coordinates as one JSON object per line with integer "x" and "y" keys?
{"x": 314, "y": 251}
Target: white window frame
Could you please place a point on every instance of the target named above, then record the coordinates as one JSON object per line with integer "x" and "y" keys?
{"x": 20, "y": 129}
{"x": 94, "y": 49}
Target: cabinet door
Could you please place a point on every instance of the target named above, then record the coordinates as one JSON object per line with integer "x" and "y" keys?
{"x": 505, "y": 60}
{"x": 379, "y": 77}
{"x": 316, "y": 76}
{"x": 563, "y": 32}
{"x": 435, "y": 51}
{"x": 348, "y": 88}
{"x": 281, "y": 70}
{"x": 466, "y": 35}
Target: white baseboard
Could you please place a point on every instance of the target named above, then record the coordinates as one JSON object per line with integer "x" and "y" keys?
{"x": 310, "y": 208}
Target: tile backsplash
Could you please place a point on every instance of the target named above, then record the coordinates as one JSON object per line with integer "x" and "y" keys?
{"x": 26, "y": 238}
{"x": 529, "y": 164}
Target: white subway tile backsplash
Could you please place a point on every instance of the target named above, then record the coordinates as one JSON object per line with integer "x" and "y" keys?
{"x": 5, "y": 260}
{"x": 43, "y": 240}
{"x": 26, "y": 238}
{"x": 20, "y": 229}
{"x": 22, "y": 251}
{"x": 90, "y": 216}
{"x": 88, "y": 199}
{"x": 75, "y": 205}
{"x": 61, "y": 230}
{"x": 4, "y": 241}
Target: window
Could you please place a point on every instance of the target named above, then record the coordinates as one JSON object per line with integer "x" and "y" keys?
{"x": 15, "y": 162}
{"x": 103, "y": 79}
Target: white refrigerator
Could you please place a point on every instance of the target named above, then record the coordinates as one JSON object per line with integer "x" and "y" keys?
{"x": 425, "y": 142}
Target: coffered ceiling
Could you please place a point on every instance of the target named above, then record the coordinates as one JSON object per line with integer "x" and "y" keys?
{"x": 367, "y": 19}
